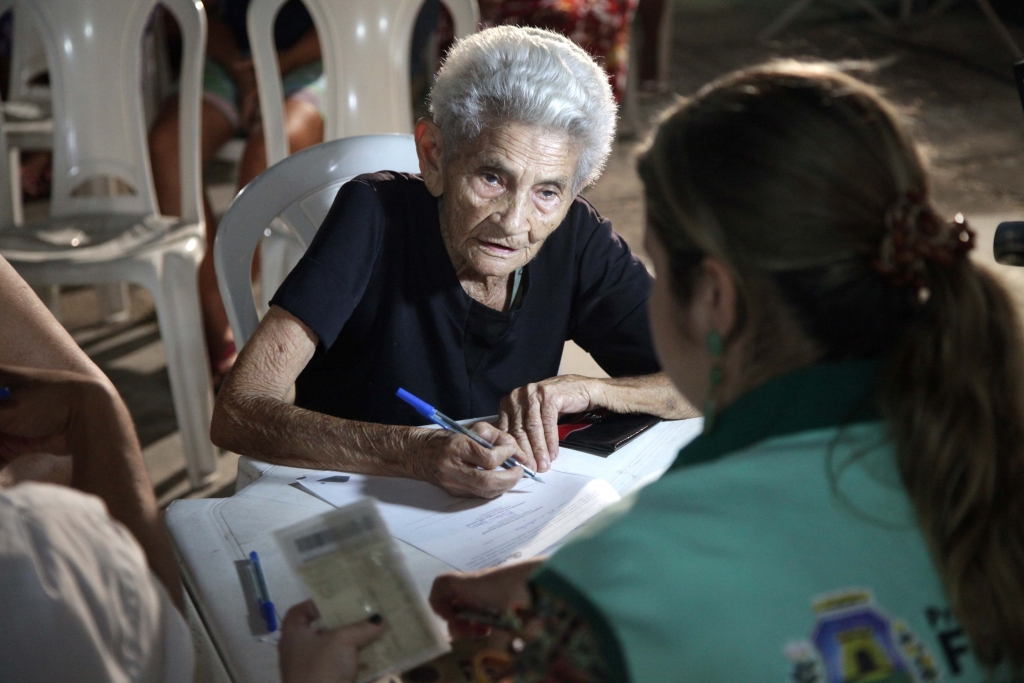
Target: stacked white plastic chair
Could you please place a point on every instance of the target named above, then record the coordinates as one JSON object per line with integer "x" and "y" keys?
{"x": 365, "y": 48}
{"x": 93, "y": 50}
{"x": 299, "y": 190}
{"x": 27, "y": 107}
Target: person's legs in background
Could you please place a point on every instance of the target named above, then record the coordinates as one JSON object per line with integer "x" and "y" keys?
{"x": 650, "y": 14}
{"x": 304, "y": 128}
{"x": 217, "y": 129}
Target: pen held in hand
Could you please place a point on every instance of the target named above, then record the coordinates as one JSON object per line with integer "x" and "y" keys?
{"x": 428, "y": 411}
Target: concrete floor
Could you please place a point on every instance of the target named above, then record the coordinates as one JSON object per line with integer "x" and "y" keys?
{"x": 951, "y": 78}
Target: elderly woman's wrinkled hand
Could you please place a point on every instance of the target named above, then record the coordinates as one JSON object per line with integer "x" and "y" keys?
{"x": 463, "y": 468}
{"x": 530, "y": 414}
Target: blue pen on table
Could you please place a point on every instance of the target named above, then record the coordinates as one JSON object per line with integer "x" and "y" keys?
{"x": 262, "y": 594}
{"x": 431, "y": 413}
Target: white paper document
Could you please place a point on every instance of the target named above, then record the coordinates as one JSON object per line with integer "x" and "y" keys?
{"x": 470, "y": 533}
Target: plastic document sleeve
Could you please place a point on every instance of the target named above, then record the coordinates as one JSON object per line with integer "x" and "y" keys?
{"x": 353, "y": 569}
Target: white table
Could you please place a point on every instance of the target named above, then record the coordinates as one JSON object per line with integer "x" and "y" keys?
{"x": 213, "y": 538}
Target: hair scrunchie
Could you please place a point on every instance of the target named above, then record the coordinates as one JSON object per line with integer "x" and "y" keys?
{"x": 914, "y": 236}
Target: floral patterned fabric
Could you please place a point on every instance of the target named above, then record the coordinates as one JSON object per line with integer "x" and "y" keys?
{"x": 601, "y": 27}
{"x": 558, "y": 645}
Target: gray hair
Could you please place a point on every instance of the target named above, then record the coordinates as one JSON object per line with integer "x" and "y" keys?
{"x": 510, "y": 74}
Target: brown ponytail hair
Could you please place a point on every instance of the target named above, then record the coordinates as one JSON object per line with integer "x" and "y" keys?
{"x": 790, "y": 172}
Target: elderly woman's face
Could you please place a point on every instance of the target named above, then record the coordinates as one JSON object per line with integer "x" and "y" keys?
{"x": 503, "y": 195}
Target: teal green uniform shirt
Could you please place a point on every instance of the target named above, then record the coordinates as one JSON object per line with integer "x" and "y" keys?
{"x": 781, "y": 546}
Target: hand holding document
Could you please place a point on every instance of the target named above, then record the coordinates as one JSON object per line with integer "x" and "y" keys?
{"x": 470, "y": 533}
{"x": 352, "y": 569}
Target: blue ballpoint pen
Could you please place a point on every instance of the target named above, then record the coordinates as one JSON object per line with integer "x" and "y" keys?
{"x": 431, "y": 413}
{"x": 262, "y": 594}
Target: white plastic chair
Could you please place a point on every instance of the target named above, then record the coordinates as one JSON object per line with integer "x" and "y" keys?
{"x": 27, "y": 109}
{"x": 94, "y": 55}
{"x": 300, "y": 189}
{"x": 30, "y": 127}
{"x": 28, "y": 61}
{"x": 365, "y": 48}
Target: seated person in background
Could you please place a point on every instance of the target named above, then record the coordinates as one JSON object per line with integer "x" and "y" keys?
{"x": 459, "y": 285}
{"x": 855, "y": 507}
{"x": 601, "y": 27}
{"x": 88, "y": 581}
{"x": 230, "y": 104}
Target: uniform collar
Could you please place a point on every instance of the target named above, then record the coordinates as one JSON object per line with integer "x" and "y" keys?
{"x": 818, "y": 397}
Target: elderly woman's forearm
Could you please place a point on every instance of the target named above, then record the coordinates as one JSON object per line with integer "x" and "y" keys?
{"x": 272, "y": 430}
{"x": 652, "y": 394}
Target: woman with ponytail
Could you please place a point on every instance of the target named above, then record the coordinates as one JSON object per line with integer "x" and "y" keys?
{"x": 854, "y": 510}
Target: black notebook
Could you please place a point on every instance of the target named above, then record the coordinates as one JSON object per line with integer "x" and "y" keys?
{"x": 601, "y": 432}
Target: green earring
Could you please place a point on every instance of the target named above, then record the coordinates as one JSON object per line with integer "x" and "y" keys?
{"x": 714, "y": 345}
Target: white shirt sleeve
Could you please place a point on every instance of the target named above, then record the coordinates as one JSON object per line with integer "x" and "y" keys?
{"x": 78, "y": 599}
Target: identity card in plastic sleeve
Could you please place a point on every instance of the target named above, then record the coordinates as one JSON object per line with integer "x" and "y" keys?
{"x": 353, "y": 569}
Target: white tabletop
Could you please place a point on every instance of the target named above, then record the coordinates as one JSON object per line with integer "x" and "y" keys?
{"x": 214, "y": 537}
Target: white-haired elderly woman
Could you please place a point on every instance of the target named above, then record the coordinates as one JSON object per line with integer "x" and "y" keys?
{"x": 460, "y": 285}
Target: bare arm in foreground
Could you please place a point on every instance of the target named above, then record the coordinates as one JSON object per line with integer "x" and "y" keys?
{"x": 31, "y": 337}
{"x": 251, "y": 417}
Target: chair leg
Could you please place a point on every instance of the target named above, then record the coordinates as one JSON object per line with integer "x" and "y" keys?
{"x": 17, "y": 207}
{"x": 785, "y": 19}
{"x": 869, "y": 7}
{"x": 1000, "y": 28}
{"x": 665, "y": 38}
{"x": 181, "y": 329}
{"x": 49, "y": 295}
{"x": 629, "y": 121}
{"x": 114, "y": 302}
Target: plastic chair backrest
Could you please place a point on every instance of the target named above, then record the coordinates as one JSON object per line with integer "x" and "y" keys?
{"x": 28, "y": 60}
{"x": 365, "y": 48}
{"x": 299, "y": 189}
{"x": 94, "y": 54}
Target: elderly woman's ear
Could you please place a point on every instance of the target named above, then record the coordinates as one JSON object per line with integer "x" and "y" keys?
{"x": 430, "y": 149}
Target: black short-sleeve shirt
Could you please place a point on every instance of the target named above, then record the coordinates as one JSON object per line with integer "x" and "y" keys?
{"x": 378, "y": 288}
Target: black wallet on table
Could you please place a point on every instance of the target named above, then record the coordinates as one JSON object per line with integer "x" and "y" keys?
{"x": 601, "y": 432}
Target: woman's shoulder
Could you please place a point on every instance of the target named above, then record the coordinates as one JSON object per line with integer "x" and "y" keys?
{"x": 802, "y": 465}
{"x": 750, "y": 538}
{"x": 585, "y": 221}
{"x": 773, "y": 494}
{"x": 386, "y": 198}
{"x": 391, "y": 185}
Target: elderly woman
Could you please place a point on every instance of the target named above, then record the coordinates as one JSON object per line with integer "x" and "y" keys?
{"x": 459, "y": 285}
